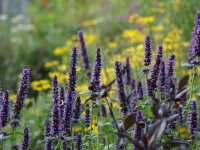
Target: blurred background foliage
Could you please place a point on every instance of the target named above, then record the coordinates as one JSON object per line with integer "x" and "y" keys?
{"x": 31, "y": 30}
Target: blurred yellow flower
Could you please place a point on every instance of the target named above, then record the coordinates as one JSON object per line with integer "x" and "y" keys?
{"x": 12, "y": 97}
{"x": 60, "y": 76}
{"x": 89, "y": 23}
{"x": 77, "y": 129}
{"x": 40, "y": 85}
{"x": 134, "y": 36}
{"x": 112, "y": 45}
{"x": 60, "y": 50}
{"x": 90, "y": 38}
{"x": 145, "y": 20}
{"x": 184, "y": 133}
{"x": 133, "y": 17}
{"x": 62, "y": 67}
{"x": 51, "y": 63}
{"x": 157, "y": 28}
{"x": 94, "y": 126}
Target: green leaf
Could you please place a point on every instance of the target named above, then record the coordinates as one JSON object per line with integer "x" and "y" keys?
{"x": 85, "y": 92}
{"x": 186, "y": 65}
{"x": 2, "y": 137}
{"x": 108, "y": 146}
{"x": 70, "y": 138}
{"x": 107, "y": 127}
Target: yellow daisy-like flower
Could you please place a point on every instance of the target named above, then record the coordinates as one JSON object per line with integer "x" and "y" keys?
{"x": 145, "y": 20}
{"x": 157, "y": 28}
{"x": 61, "y": 77}
{"x": 51, "y": 63}
{"x": 60, "y": 50}
{"x": 89, "y": 23}
{"x": 133, "y": 17}
{"x": 40, "y": 85}
{"x": 112, "y": 45}
{"x": 62, "y": 67}
{"x": 184, "y": 133}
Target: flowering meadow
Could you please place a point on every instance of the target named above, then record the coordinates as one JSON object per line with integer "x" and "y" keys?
{"x": 99, "y": 77}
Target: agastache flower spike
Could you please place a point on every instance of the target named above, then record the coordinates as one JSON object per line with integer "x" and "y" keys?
{"x": 61, "y": 102}
{"x": 79, "y": 142}
{"x": 138, "y": 131}
{"x": 103, "y": 110}
{"x": 4, "y": 111}
{"x": 1, "y": 94}
{"x": 133, "y": 84}
{"x": 96, "y": 73}
{"x": 55, "y": 89}
{"x": 72, "y": 71}
{"x": 150, "y": 91}
{"x": 49, "y": 144}
{"x": 84, "y": 53}
{"x": 180, "y": 111}
{"x": 120, "y": 88}
{"x": 140, "y": 91}
{"x": 193, "y": 118}
{"x": 14, "y": 147}
{"x": 55, "y": 120}
{"x": 68, "y": 113}
{"x": 87, "y": 116}
{"x": 156, "y": 67}
{"x": 197, "y": 42}
{"x": 47, "y": 129}
{"x": 162, "y": 77}
{"x": 128, "y": 71}
{"x": 26, "y": 139}
{"x": 22, "y": 92}
{"x": 77, "y": 109}
{"x": 148, "y": 53}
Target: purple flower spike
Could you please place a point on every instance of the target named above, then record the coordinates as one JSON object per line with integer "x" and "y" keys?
{"x": 140, "y": 91}
{"x": 26, "y": 139}
{"x": 150, "y": 91}
{"x": 22, "y": 92}
{"x": 156, "y": 67}
{"x": 84, "y": 53}
{"x": 96, "y": 73}
{"x": 64, "y": 145}
{"x": 14, "y": 147}
{"x": 55, "y": 89}
{"x": 193, "y": 118}
{"x": 180, "y": 111}
{"x": 133, "y": 84}
{"x": 87, "y": 116}
{"x": 197, "y": 42}
{"x": 72, "y": 71}
{"x": 47, "y": 129}
{"x": 77, "y": 110}
{"x": 148, "y": 53}
{"x": 120, "y": 87}
{"x": 79, "y": 142}
{"x": 103, "y": 110}
{"x": 162, "y": 77}
{"x": 170, "y": 70}
{"x": 68, "y": 113}
{"x": 49, "y": 145}
{"x": 128, "y": 71}
{"x": 55, "y": 121}
{"x": 138, "y": 131}
{"x": 61, "y": 102}
{"x": 4, "y": 111}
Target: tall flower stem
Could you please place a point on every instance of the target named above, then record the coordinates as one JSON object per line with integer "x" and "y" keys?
{"x": 191, "y": 91}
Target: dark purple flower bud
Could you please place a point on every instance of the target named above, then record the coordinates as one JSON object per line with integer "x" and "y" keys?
{"x": 55, "y": 120}
{"x": 103, "y": 141}
{"x": 14, "y": 147}
{"x": 83, "y": 50}
{"x": 128, "y": 72}
{"x": 133, "y": 84}
{"x": 103, "y": 110}
{"x": 145, "y": 70}
{"x": 26, "y": 139}
{"x": 197, "y": 42}
{"x": 61, "y": 102}
{"x": 68, "y": 113}
{"x": 72, "y": 71}
{"x": 193, "y": 118}
{"x": 138, "y": 130}
{"x": 77, "y": 109}
{"x": 147, "y": 50}
{"x": 156, "y": 67}
{"x": 140, "y": 91}
{"x": 49, "y": 145}
{"x": 120, "y": 87}
{"x": 96, "y": 73}
{"x": 47, "y": 129}
{"x": 195, "y": 62}
{"x": 64, "y": 145}
{"x": 4, "y": 111}
{"x": 150, "y": 91}
{"x": 22, "y": 92}
{"x": 55, "y": 89}
{"x": 1, "y": 94}
{"x": 87, "y": 116}
{"x": 162, "y": 77}
{"x": 190, "y": 51}
{"x": 180, "y": 112}
{"x": 170, "y": 70}
{"x": 79, "y": 142}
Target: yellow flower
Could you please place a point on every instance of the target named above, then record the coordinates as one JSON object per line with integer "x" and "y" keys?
{"x": 62, "y": 67}
{"x": 145, "y": 20}
{"x": 184, "y": 133}
{"x": 94, "y": 126}
{"x": 12, "y": 97}
{"x": 60, "y": 50}
{"x": 51, "y": 63}
{"x": 133, "y": 17}
{"x": 112, "y": 45}
{"x": 90, "y": 23}
{"x": 157, "y": 28}
{"x": 134, "y": 36}
{"x": 90, "y": 38}
{"x": 77, "y": 129}
{"x": 40, "y": 85}
{"x": 28, "y": 101}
